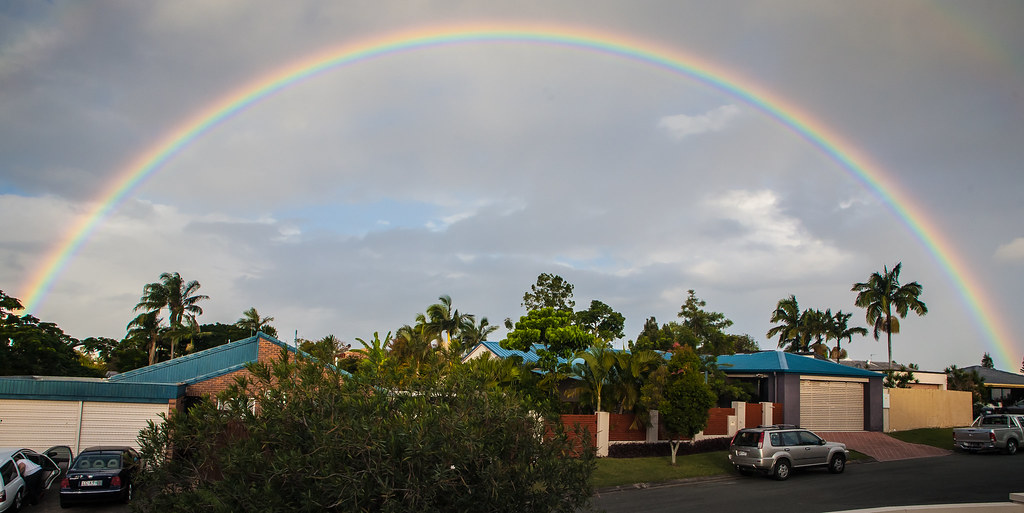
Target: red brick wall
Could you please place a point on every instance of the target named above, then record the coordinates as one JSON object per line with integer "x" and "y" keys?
{"x": 718, "y": 421}
{"x": 585, "y": 422}
{"x": 619, "y": 431}
{"x": 753, "y": 415}
{"x": 266, "y": 352}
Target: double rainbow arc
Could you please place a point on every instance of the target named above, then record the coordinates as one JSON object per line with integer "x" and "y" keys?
{"x": 853, "y": 161}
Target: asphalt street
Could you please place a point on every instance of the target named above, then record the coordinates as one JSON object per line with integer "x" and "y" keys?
{"x": 957, "y": 478}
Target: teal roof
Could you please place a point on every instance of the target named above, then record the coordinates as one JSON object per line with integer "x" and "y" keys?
{"x": 788, "y": 363}
{"x": 530, "y": 356}
{"x": 87, "y": 389}
{"x": 203, "y": 365}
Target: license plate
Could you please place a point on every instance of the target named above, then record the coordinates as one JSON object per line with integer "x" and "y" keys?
{"x": 91, "y": 483}
{"x": 741, "y": 453}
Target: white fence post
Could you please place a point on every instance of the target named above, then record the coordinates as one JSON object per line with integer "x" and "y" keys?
{"x": 603, "y": 428}
{"x": 740, "y": 409}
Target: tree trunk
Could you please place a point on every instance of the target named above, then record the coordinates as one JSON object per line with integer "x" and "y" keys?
{"x": 674, "y": 445}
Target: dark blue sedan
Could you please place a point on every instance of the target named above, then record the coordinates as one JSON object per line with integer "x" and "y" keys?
{"x": 100, "y": 474}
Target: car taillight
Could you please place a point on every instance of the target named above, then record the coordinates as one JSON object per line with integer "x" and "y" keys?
{"x": 115, "y": 481}
{"x": 3, "y": 496}
{"x": 992, "y": 436}
{"x": 65, "y": 483}
{"x": 760, "y": 441}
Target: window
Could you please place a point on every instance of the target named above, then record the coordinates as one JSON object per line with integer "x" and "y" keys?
{"x": 747, "y": 439}
{"x": 8, "y": 471}
{"x": 807, "y": 438}
{"x": 790, "y": 438}
{"x": 776, "y": 440}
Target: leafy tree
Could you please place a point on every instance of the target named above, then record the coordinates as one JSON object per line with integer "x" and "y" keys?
{"x": 217, "y": 334}
{"x": 960, "y": 379}
{"x": 181, "y": 301}
{"x": 986, "y": 361}
{"x": 472, "y": 332}
{"x": 1022, "y": 366}
{"x": 297, "y": 437}
{"x": 743, "y": 344}
{"x": 632, "y": 370}
{"x": 552, "y": 329}
{"x": 116, "y": 355}
{"x": 706, "y": 326}
{"x": 882, "y": 295}
{"x": 686, "y": 399}
{"x": 328, "y": 349}
{"x": 29, "y": 346}
{"x": 147, "y": 326}
{"x": 446, "y": 321}
{"x": 375, "y": 354}
{"x": 252, "y": 322}
{"x": 601, "y": 321}
{"x": 664, "y": 338}
{"x": 594, "y": 372}
{"x": 550, "y": 291}
{"x": 902, "y": 378}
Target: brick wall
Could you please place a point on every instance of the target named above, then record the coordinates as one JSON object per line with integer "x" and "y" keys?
{"x": 777, "y": 413}
{"x": 718, "y": 421}
{"x": 619, "y": 431}
{"x": 753, "y": 414}
{"x": 588, "y": 423}
{"x": 266, "y": 352}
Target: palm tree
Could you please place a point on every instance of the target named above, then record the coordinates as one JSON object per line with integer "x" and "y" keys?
{"x": 146, "y": 326}
{"x": 252, "y": 321}
{"x": 445, "y": 321}
{"x": 180, "y": 299}
{"x": 473, "y": 333}
{"x": 595, "y": 370}
{"x": 375, "y": 353}
{"x": 881, "y": 295}
{"x": 631, "y": 371}
{"x": 787, "y": 314}
{"x": 838, "y": 330}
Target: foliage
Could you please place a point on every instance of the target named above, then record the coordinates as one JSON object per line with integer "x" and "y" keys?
{"x": 707, "y": 326}
{"x": 595, "y": 370}
{"x": 883, "y": 294}
{"x": 601, "y": 321}
{"x": 660, "y": 449}
{"x": 182, "y": 303}
{"x": 375, "y": 355}
{"x": 295, "y": 437}
{"x": 118, "y": 356}
{"x": 218, "y": 334}
{"x": 328, "y": 349}
{"x": 665, "y": 338}
{"x": 550, "y": 291}
{"x": 902, "y": 378}
{"x": 29, "y": 346}
{"x": 252, "y": 322}
{"x": 552, "y": 329}
{"x": 986, "y": 361}
{"x": 960, "y": 379}
{"x": 686, "y": 399}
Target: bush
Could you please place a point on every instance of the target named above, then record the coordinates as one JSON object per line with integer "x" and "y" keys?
{"x": 657, "y": 449}
{"x": 295, "y": 437}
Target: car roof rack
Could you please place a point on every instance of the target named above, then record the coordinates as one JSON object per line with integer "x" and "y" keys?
{"x": 780, "y": 426}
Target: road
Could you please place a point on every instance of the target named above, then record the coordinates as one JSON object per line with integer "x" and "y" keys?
{"x": 958, "y": 478}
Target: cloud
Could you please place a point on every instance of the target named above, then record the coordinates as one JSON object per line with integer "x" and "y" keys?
{"x": 682, "y": 126}
{"x": 1012, "y": 251}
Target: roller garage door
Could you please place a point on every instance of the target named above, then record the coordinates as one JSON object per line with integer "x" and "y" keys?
{"x": 39, "y": 424}
{"x": 832, "y": 405}
{"x": 117, "y": 423}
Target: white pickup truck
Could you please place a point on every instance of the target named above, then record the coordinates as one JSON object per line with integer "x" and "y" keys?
{"x": 999, "y": 432}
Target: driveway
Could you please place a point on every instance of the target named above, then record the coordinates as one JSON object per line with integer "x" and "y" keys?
{"x": 51, "y": 504}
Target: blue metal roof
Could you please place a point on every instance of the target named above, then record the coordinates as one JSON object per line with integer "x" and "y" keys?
{"x": 530, "y": 356}
{"x": 788, "y": 363}
{"x": 203, "y": 365}
{"x": 87, "y": 389}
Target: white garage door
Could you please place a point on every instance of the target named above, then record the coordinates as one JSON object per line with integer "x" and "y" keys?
{"x": 117, "y": 423}
{"x": 38, "y": 425}
{"x": 832, "y": 405}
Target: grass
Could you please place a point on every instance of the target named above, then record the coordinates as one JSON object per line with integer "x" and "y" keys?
{"x": 625, "y": 471}
{"x": 935, "y": 437}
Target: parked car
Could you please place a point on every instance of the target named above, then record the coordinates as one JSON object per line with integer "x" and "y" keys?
{"x": 998, "y": 432}
{"x": 777, "y": 450}
{"x": 15, "y": 491}
{"x": 100, "y": 474}
{"x": 1016, "y": 408}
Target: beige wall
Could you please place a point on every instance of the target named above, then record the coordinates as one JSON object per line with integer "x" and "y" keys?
{"x": 913, "y": 408}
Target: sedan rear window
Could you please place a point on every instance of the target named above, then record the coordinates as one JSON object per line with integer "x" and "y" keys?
{"x": 747, "y": 439}
{"x": 98, "y": 461}
{"x": 8, "y": 471}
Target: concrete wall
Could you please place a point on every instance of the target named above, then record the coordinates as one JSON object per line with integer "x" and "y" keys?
{"x": 914, "y": 408}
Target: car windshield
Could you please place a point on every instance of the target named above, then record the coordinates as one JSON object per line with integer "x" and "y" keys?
{"x": 98, "y": 461}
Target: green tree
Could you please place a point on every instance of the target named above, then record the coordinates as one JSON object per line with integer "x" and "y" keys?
{"x": 550, "y": 291}
{"x": 882, "y": 296}
{"x": 473, "y": 332}
{"x": 552, "y": 329}
{"x": 146, "y": 326}
{"x": 787, "y": 316}
{"x": 29, "y": 346}
{"x": 327, "y": 349}
{"x": 665, "y": 337}
{"x": 253, "y": 322}
{"x": 594, "y": 372}
{"x": 445, "y": 320}
{"x": 375, "y": 354}
{"x": 839, "y": 329}
{"x": 960, "y": 379}
{"x": 686, "y": 399}
{"x": 707, "y": 326}
{"x": 601, "y": 321}
{"x": 297, "y": 437}
{"x": 179, "y": 298}
{"x": 986, "y": 361}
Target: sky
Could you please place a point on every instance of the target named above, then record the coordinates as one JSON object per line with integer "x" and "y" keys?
{"x": 347, "y": 202}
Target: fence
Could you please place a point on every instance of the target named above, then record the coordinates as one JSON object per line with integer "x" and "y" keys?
{"x": 610, "y": 428}
{"x": 914, "y": 408}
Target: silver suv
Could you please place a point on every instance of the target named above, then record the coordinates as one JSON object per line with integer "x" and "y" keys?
{"x": 777, "y": 450}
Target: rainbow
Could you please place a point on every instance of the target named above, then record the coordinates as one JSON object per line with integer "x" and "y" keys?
{"x": 846, "y": 154}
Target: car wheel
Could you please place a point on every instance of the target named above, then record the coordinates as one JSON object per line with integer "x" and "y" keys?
{"x": 1011, "y": 447}
{"x": 19, "y": 498}
{"x": 837, "y": 464}
{"x": 782, "y": 470}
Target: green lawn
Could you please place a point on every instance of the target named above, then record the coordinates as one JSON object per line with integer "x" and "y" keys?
{"x": 625, "y": 471}
{"x": 935, "y": 437}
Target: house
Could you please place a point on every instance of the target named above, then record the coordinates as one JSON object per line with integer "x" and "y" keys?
{"x": 39, "y": 411}
{"x": 1006, "y": 387}
{"x": 496, "y": 351}
{"x": 924, "y": 379}
{"x": 815, "y": 394}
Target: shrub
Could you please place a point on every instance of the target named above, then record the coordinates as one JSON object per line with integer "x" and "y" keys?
{"x": 659, "y": 449}
{"x": 295, "y": 437}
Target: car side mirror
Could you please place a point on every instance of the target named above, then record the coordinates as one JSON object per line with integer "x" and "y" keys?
{"x": 822, "y": 442}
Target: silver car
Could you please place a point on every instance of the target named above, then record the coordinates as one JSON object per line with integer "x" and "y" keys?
{"x": 777, "y": 450}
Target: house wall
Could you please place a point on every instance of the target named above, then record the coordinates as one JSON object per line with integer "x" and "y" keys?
{"x": 873, "y": 412}
{"x": 266, "y": 352}
{"x": 913, "y": 408}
